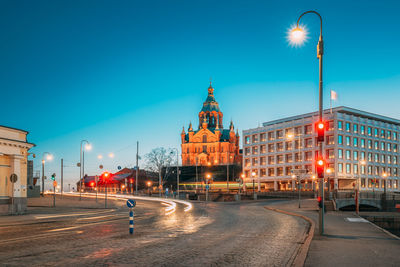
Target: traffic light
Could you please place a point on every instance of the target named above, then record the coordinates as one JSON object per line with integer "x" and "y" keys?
{"x": 320, "y": 167}
{"x": 53, "y": 177}
{"x": 319, "y": 202}
{"x": 92, "y": 184}
{"x": 320, "y": 128}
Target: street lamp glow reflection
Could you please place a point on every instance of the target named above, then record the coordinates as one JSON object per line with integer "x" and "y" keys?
{"x": 297, "y": 35}
{"x": 49, "y": 157}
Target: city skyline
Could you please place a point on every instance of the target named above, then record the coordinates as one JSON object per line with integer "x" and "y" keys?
{"x": 157, "y": 66}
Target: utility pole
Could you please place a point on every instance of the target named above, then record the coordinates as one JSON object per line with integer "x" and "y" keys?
{"x": 227, "y": 170}
{"x": 42, "y": 177}
{"x": 137, "y": 167}
{"x": 177, "y": 172}
{"x": 62, "y": 177}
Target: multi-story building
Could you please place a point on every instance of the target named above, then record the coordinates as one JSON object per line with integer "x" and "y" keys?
{"x": 361, "y": 150}
{"x": 14, "y": 149}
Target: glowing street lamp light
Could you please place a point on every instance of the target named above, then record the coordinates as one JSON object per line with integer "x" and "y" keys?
{"x": 48, "y": 157}
{"x": 297, "y": 35}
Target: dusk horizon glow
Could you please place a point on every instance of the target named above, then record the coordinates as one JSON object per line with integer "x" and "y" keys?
{"x": 117, "y": 73}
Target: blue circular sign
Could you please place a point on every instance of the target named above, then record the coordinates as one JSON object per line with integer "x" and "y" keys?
{"x": 131, "y": 203}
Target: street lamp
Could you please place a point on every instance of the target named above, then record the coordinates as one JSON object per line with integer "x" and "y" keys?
{"x": 253, "y": 174}
{"x": 208, "y": 178}
{"x": 48, "y": 157}
{"x": 357, "y": 195}
{"x": 298, "y": 35}
{"x": 88, "y": 146}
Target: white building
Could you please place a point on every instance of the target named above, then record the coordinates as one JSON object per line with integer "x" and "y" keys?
{"x": 361, "y": 149}
{"x": 14, "y": 149}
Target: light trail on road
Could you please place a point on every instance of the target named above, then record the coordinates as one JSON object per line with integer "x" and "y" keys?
{"x": 169, "y": 203}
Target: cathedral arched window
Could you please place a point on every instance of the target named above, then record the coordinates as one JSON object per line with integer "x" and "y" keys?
{"x": 205, "y": 138}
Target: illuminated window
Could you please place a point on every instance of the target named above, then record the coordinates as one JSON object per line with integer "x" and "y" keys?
{"x": 355, "y": 169}
{"x": 355, "y": 128}
{"x": 340, "y": 139}
{"x": 362, "y": 142}
{"x": 347, "y": 126}
{"x": 340, "y": 167}
{"x": 348, "y": 168}
{"x": 348, "y": 141}
{"x": 340, "y": 125}
{"x": 369, "y": 131}
{"x": 348, "y": 154}
{"x": 340, "y": 153}
{"x": 355, "y": 155}
{"x": 355, "y": 141}
{"x": 263, "y": 137}
{"x": 362, "y": 129}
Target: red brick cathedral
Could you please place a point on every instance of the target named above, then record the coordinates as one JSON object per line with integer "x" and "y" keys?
{"x": 210, "y": 144}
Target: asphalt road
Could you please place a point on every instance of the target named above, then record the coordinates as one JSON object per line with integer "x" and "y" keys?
{"x": 212, "y": 234}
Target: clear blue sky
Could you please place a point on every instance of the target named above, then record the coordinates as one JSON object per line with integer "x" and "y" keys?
{"x": 114, "y": 72}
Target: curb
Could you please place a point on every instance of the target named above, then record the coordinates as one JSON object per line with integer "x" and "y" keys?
{"x": 301, "y": 255}
{"x": 380, "y": 228}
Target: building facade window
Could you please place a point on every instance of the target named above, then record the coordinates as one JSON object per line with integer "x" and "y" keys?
{"x": 340, "y": 153}
{"x": 348, "y": 141}
{"x": 348, "y": 168}
{"x": 355, "y": 128}
{"x": 362, "y": 129}
{"x": 340, "y": 167}
{"x": 340, "y": 125}
{"x": 347, "y": 126}
{"x": 340, "y": 139}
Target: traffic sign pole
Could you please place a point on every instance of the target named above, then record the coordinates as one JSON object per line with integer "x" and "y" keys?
{"x": 131, "y": 203}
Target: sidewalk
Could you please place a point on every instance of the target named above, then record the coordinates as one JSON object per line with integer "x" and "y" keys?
{"x": 346, "y": 242}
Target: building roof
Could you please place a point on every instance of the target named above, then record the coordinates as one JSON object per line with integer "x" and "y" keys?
{"x": 341, "y": 109}
{"x": 210, "y": 104}
{"x": 225, "y": 134}
{"x": 16, "y": 129}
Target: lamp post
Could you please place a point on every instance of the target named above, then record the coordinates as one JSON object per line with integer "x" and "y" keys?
{"x": 81, "y": 167}
{"x": 357, "y": 195}
{"x": 253, "y": 174}
{"x": 297, "y": 37}
{"x": 177, "y": 171}
{"x": 48, "y": 157}
{"x": 208, "y": 178}
{"x": 148, "y": 187}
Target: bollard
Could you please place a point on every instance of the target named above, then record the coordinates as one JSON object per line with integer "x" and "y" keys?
{"x": 131, "y": 223}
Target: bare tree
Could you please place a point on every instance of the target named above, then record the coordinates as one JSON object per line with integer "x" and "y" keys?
{"x": 158, "y": 158}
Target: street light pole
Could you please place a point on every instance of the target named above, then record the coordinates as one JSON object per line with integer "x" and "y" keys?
{"x": 177, "y": 171}
{"x": 80, "y": 169}
{"x": 43, "y": 161}
{"x": 320, "y": 52}
{"x": 227, "y": 170}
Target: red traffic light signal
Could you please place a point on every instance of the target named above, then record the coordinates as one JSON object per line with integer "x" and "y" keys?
{"x": 131, "y": 181}
{"x": 92, "y": 184}
{"x": 320, "y": 167}
{"x": 320, "y": 128}
{"x": 319, "y": 202}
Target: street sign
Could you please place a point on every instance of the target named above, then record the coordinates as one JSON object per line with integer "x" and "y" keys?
{"x": 55, "y": 184}
{"x": 299, "y": 171}
{"x": 131, "y": 203}
{"x": 207, "y": 187}
{"x": 13, "y": 178}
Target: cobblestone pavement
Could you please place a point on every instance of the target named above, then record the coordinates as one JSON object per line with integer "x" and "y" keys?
{"x": 212, "y": 234}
